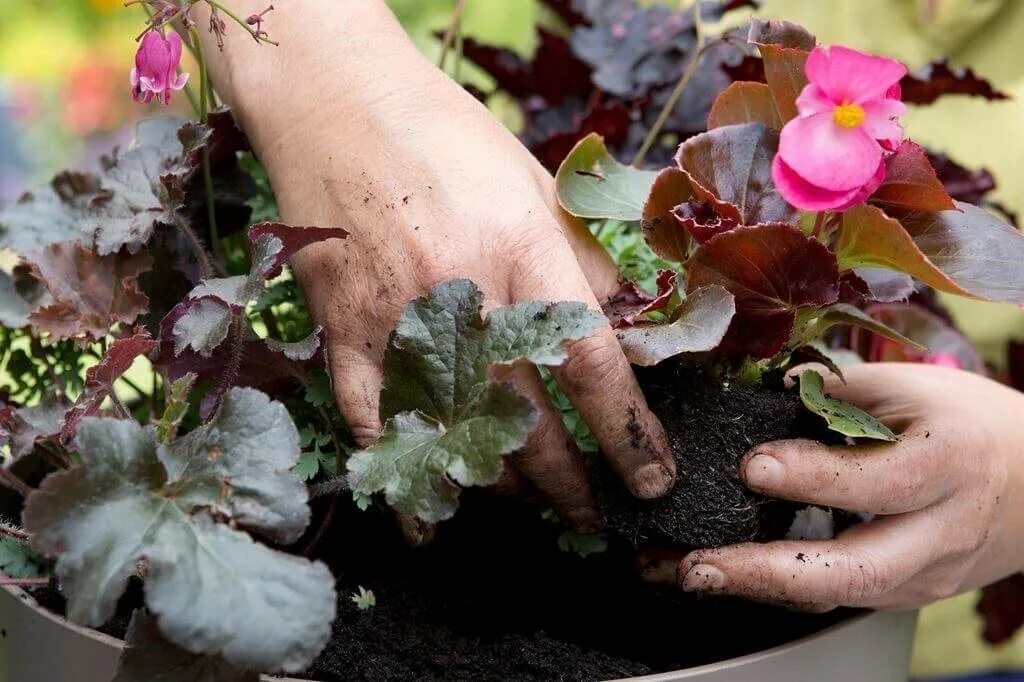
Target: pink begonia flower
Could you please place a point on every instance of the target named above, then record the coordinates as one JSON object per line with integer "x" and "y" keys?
{"x": 156, "y": 64}
{"x": 831, "y": 156}
{"x": 944, "y": 360}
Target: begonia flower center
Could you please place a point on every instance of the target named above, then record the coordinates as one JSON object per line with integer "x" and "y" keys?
{"x": 848, "y": 115}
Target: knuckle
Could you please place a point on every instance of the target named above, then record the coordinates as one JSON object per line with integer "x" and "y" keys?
{"x": 859, "y": 578}
{"x": 592, "y": 365}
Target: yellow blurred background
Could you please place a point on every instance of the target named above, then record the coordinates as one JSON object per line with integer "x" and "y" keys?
{"x": 64, "y": 99}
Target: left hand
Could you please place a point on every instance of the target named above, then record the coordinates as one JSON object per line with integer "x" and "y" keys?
{"x": 948, "y": 499}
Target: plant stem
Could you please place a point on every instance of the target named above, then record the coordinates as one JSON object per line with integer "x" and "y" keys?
{"x": 12, "y": 531}
{"x": 8, "y": 479}
{"x": 331, "y": 486}
{"x": 450, "y": 32}
{"x": 819, "y": 221}
{"x": 197, "y": 246}
{"x": 54, "y": 454}
{"x": 204, "y": 116}
{"x": 238, "y": 20}
{"x": 691, "y": 68}
{"x": 24, "y": 582}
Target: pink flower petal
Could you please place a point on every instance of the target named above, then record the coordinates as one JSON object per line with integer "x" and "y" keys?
{"x": 803, "y": 194}
{"x": 133, "y": 77}
{"x": 828, "y": 155}
{"x": 180, "y": 81}
{"x": 867, "y": 190}
{"x": 944, "y": 360}
{"x": 879, "y": 120}
{"x": 847, "y": 75}
{"x": 813, "y": 100}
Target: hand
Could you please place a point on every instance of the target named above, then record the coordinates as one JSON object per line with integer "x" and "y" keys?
{"x": 948, "y": 499}
{"x": 432, "y": 188}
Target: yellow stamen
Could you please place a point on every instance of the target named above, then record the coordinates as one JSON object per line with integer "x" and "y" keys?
{"x": 848, "y": 115}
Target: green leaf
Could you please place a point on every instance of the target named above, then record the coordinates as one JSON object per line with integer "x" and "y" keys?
{"x": 698, "y": 324}
{"x": 592, "y": 184}
{"x": 148, "y": 657}
{"x": 364, "y": 599}
{"x": 177, "y": 406}
{"x": 214, "y": 590}
{"x": 446, "y": 425}
{"x": 582, "y": 544}
{"x": 812, "y": 323}
{"x": 840, "y": 416}
{"x": 17, "y": 560}
{"x": 319, "y": 393}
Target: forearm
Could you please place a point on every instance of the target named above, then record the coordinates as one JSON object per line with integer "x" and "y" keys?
{"x": 337, "y": 64}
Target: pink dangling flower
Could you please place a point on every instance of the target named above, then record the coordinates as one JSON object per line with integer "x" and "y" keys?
{"x": 944, "y": 360}
{"x": 156, "y": 65}
{"x": 831, "y": 156}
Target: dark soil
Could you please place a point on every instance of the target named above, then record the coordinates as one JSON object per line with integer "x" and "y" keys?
{"x": 711, "y": 423}
{"x": 493, "y": 598}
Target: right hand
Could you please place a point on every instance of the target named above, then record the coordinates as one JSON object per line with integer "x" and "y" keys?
{"x": 432, "y": 188}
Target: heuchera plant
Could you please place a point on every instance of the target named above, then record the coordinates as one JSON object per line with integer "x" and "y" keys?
{"x": 195, "y": 481}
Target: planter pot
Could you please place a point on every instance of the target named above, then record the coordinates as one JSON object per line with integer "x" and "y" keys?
{"x": 37, "y": 645}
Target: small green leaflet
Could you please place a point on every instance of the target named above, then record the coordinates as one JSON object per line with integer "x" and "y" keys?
{"x": 842, "y": 417}
{"x": 446, "y": 425}
{"x": 812, "y": 323}
{"x": 148, "y": 657}
{"x": 177, "y": 406}
{"x": 582, "y": 544}
{"x": 318, "y": 392}
{"x": 314, "y": 460}
{"x": 364, "y": 599}
{"x": 17, "y": 560}
{"x": 592, "y": 184}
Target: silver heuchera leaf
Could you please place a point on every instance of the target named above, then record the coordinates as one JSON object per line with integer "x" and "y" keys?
{"x": 299, "y": 350}
{"x": 14, "y": 310}
{"x": 446, "y": 425}
{"x": 203, "y": 327}
{"x": 214, "y": 590}
{"x": 148, "y": 657}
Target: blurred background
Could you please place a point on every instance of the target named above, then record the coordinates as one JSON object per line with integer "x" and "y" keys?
{"x": 64, "y": 100}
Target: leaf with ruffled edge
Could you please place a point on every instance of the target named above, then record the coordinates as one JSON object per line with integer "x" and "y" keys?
{"x": 149, "y": 657}
{"x": 212, "y": 588}
{"x": 100, "y": 378}
{"x": 446, "y": 425}
{"x": 697, "y": 325}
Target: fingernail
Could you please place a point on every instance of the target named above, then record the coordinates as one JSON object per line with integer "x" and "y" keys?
{"x": 763, "y": 472}
{"x": 660, "y": 571}
{"x": 703, "y": 578}
{"x": 651, "y": 481}
{"x": 585, "y": 519}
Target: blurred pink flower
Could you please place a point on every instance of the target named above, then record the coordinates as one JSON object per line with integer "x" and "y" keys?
{"x": 944, "y": 360}
{"x": 156, "y": 64}
{"x": 831, "y": 155}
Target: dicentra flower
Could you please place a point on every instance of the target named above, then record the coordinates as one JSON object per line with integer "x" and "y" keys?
{"x": 831, "y": 155}
{"x": 156, "y": 65}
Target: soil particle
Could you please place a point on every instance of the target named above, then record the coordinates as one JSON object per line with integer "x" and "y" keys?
{"x": 710, "y": 425}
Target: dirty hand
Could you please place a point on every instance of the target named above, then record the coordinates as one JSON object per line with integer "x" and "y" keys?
{"x": 949, "y": 499}
{"x": 357, "y": 130}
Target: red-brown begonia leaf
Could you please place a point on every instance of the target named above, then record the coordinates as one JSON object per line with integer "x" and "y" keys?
{"x": 911, "y": 183}
{"x": 784, "y": 48}
{"x": 875, "y": 284}
{"x": 961, "y": 183}
{"x": 923, "y": 326}
{"x": 663, "y": 233}
{"x": 1002, "y": 608}
{"x": 934, "y": 80}
{"x": 867, "y": 237}
{"x": 700, "y": 219}
{"x": 100, "y": 378}
{"x": 731, "y": 167}
{"x": 630, "y": 302}
{"x": 979, "y": 252}
{"x": 744, "y": 103}
{"x": 772, "y": 270}
{"x": 781, "y": 33}
{"x": 89, "y": 293}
